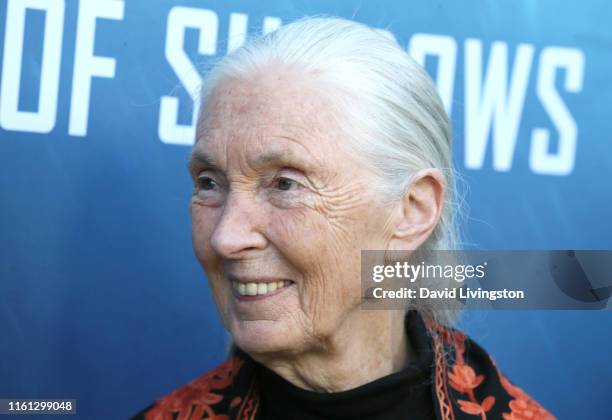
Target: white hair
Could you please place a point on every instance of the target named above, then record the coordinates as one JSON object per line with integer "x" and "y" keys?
{"x": 383, "y": 100}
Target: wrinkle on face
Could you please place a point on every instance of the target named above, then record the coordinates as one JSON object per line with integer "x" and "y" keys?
{"x": 251, "y": 129}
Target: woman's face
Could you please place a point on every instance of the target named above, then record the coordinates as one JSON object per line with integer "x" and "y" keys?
{"x": 280, "y": 213}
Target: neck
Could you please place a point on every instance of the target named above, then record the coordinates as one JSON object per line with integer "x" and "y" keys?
{"x": 367, "y": 347}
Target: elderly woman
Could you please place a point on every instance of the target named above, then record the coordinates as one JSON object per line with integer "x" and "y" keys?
{"x": 318, "y": 141}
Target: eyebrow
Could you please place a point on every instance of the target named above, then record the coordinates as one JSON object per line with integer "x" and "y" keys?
{"x": 201, "y": 158}
{"x": 266, "y": 159}
{"x": 271, "y": 158}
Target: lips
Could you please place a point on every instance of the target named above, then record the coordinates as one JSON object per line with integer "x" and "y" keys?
{"x": 258, "y": 288}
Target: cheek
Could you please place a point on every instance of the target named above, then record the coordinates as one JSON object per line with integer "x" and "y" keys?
{"x": 203, "y": 220}
{"x": 327, "y": 260}
{"x": 299, "y": 234}
{"x": 286, "y": 227}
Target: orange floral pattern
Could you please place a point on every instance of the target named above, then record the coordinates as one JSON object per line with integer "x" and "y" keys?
{"x": 464, "y": 380}
{"x": 196, "y": 399}
{"x": 522, "y": 407}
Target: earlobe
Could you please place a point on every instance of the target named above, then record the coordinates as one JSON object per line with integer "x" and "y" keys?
{"x": 419, "y": 210}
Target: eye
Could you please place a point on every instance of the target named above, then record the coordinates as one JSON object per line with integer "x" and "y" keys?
{"x": 286, "y": 184}
{"x": 206, "y": 183}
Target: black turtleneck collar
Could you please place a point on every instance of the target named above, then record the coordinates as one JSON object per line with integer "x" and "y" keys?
{"x": 405, "y": 394}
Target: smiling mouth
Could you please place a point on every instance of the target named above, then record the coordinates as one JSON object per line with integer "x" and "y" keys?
{"x": 259, "y": 288}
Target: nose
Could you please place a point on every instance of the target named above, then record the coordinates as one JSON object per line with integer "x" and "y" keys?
{"x": 237, "y": 232}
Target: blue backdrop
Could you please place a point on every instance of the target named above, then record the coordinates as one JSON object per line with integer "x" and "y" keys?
{"x": 101, "y": 298}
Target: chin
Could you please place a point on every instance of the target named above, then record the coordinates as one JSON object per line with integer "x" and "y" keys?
{"x": 262, "y": 337}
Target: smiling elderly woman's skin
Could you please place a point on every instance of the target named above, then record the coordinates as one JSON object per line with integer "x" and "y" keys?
{"x": 280, "y": 196}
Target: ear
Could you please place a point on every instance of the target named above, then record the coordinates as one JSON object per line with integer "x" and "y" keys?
{"x": 418, "y": 211}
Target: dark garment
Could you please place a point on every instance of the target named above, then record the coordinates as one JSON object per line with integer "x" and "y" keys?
{"x": 451, "y": 378}
{"x": 402, "y": 395}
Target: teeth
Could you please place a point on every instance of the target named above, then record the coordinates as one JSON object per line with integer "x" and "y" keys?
{"x": 251, "y": 289}
{"x": 260, "y": 288}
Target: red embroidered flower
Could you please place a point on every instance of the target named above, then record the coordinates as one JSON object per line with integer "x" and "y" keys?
{"x": 463, "y": 378}
{"x": 196, "y": 398}
{"x": 522, "y": 407}
{"x": 475, "y": 408}
{"x": 526, "y": 410}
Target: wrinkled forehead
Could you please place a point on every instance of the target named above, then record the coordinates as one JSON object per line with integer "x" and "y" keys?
{"x": 268, "y": 113}
{"x": 276, "y": 94}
